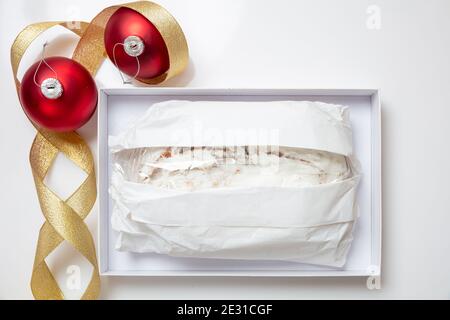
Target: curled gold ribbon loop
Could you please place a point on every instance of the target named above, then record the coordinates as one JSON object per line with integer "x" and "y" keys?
{"x": 65, "y": 218}
{"x": 166, "y": 24}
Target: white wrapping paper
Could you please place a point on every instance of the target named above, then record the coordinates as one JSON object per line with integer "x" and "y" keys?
{"x": 311, "y": 224}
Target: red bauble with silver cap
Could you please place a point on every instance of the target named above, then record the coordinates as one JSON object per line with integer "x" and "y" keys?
{"x": 59, "y": 94}
{"x": 135, "y": 45}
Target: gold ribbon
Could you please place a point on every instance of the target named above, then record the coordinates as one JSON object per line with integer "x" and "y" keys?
{"x": 65, "y": 218}
{"x": 163, "y": 21}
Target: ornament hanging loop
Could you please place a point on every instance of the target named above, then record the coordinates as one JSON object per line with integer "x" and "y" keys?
{"x": 133, "y": 47}
{"x": 51, "y": 88}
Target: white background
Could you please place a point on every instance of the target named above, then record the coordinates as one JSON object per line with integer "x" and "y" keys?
{"x": 276, "y": 44}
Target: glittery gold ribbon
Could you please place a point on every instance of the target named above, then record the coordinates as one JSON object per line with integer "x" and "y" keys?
{"x": 163, "y": 21}
{"x": 65, "y": 218}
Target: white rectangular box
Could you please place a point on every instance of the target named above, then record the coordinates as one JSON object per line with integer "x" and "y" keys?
{"x": 119, "y": 107}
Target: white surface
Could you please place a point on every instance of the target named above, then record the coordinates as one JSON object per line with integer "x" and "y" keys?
{"x": 116, "y": 112}
{"x": 301, "y": 44}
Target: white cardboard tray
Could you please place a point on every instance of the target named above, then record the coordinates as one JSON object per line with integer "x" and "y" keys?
{"x": 119, "y": 107}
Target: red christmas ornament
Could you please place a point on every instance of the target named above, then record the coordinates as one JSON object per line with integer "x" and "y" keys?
{"x": 130, "y": 35}
{"x": 58, "y": 94}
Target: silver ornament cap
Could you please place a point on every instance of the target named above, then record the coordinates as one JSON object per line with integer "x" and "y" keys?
{"x": 51, "y": 88}
{"x": 134, "y": 46}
